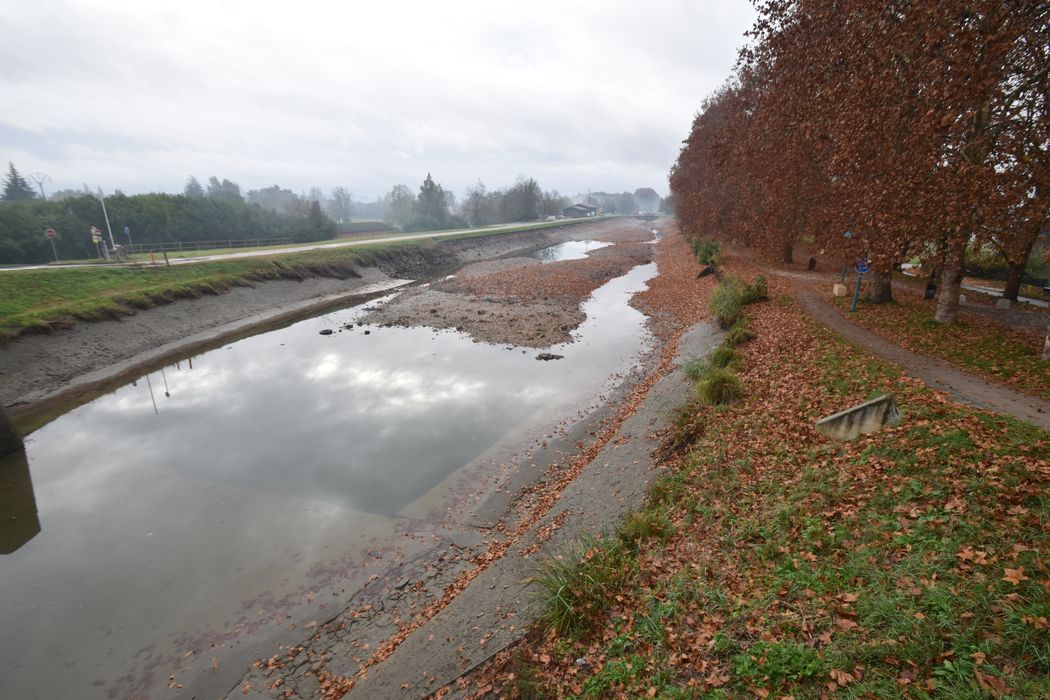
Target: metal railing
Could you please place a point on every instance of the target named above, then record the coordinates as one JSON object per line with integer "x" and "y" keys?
{"x": 177, "y": 246}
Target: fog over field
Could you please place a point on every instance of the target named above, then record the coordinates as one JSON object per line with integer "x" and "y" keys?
{"x": 581, "y": 95}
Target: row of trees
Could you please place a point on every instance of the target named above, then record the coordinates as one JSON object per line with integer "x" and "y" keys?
{"x": 882, "y": 128}
{"x": 151, "y": 218}
{"x": 337, "y": 204}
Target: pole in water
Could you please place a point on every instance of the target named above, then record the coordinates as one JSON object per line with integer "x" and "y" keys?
{"x": 152, "y": 398}
{"x": 856, "y": 292}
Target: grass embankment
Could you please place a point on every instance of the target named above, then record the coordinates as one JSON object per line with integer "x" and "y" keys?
{"x": 393, "y": 236}
{"x": 42, "y": 300}
{"x": 985, "y": 348}
{"x": 773, "y": 562}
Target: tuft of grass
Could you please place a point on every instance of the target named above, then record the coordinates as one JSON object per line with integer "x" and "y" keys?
{"x": 695, "y": 369}
{"x": 727, "y": 303}
{"x": 757, "y": 290}
{"x": 724, "y": 357}
{"x": 738, "y": 334}
{"x": 708, "y": 252}
{"x": 719, "y": 387}
{"x": 766, "y": 663}
{"x": 576, "y": 589}
{"x": 651, "y": 523}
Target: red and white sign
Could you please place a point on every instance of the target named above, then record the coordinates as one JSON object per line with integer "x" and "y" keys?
{"x": 51, "y": 233}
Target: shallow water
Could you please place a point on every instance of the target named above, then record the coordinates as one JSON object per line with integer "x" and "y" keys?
{"x": 569, "y": 250}
{"x": 211, "y": 504}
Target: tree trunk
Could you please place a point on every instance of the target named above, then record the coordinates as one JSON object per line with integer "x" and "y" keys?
{"x": 1013, "y": 281}
{"x": 1046, "y": 343}
{"x": 951, "y": 284}
{"x": 788, "y": 254}
{"x": 881, "y": 290}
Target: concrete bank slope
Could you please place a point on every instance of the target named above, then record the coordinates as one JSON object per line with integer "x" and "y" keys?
{"x": 37, "y": 369}
{"x": 496, "y": 609}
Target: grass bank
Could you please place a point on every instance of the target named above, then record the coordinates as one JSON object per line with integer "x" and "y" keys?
{"x": 42, "y": 300}
{"x": 987, "y": 349}
{"x": 772, "y": 562}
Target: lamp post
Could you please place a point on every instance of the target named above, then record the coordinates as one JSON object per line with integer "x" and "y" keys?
{"x": 102, "y": 198}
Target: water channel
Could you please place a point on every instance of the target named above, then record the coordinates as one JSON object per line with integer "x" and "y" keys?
{"x": 214, "y": 503}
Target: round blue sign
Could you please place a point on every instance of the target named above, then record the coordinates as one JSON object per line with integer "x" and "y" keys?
{"x": 862, "y": 267}
{"x": 127, "y": 231}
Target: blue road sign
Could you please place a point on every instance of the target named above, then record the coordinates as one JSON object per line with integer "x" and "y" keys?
{"x": 127, "y": 231}
{"x": 862, "y": 267}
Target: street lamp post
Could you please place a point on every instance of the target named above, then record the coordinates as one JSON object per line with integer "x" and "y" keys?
{"x": 102, "y": 198}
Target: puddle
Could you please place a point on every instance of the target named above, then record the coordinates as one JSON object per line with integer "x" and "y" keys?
{"x": 569, "y": 250}
{"x": 211, "y": 505}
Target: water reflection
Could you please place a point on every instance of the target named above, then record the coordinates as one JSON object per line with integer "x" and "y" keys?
{"x": 175, "y": 501}
{"x": 569, "y": 250}
{"x": 19, "y": 522}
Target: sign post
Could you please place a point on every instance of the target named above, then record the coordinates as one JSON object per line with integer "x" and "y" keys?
{"x": 861, "y": 267}
{"x": 52, "y": 234}
{"x": 127, "y": 232}
{"x": 96, "y": 238}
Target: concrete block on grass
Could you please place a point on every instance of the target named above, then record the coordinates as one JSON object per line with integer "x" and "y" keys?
{"x": 863, "y": 419}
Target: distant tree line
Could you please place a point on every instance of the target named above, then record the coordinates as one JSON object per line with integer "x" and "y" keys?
{"x": 893, "y": 130}
{"x": 218, "y": 210}
{"x": 218, "y": 213}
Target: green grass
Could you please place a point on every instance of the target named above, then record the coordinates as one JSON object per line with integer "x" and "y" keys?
{"x": 720, "y": 386}
{"x": 41, "y": 300}
{"x": 738, "y": 334}
{"x": 732, "y": 295}
{"x": 582, "y": 585}
{"x": 804, "y": 567}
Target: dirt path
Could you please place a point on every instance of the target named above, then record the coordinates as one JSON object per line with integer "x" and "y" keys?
{"x": 961, "y": 386}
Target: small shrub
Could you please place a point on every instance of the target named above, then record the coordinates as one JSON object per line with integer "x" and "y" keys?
{"x": 758, "y": 290}
{"x": 707, "y": 252}
{"x": 738, "y": 334}
{"x": 719, "y": 387}
{"x": 724, "y": 356}
{"x": 727, "y": 303}
{"x": 581, "y": 586}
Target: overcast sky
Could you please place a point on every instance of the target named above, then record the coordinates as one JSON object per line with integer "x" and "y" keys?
{"x": 139, "y": 95}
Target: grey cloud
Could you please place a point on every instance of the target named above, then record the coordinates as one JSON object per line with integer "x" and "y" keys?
{"x": 581, "y": 95}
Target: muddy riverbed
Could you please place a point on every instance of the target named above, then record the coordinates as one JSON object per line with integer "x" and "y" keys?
{"x": 197, "y": 517}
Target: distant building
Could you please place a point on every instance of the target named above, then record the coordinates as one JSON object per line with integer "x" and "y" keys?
{"x": 577, "y": 211}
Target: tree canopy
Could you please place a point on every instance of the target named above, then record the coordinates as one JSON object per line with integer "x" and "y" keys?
{"x": 921, "y": 128}
{"x": 16, "y": 189}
